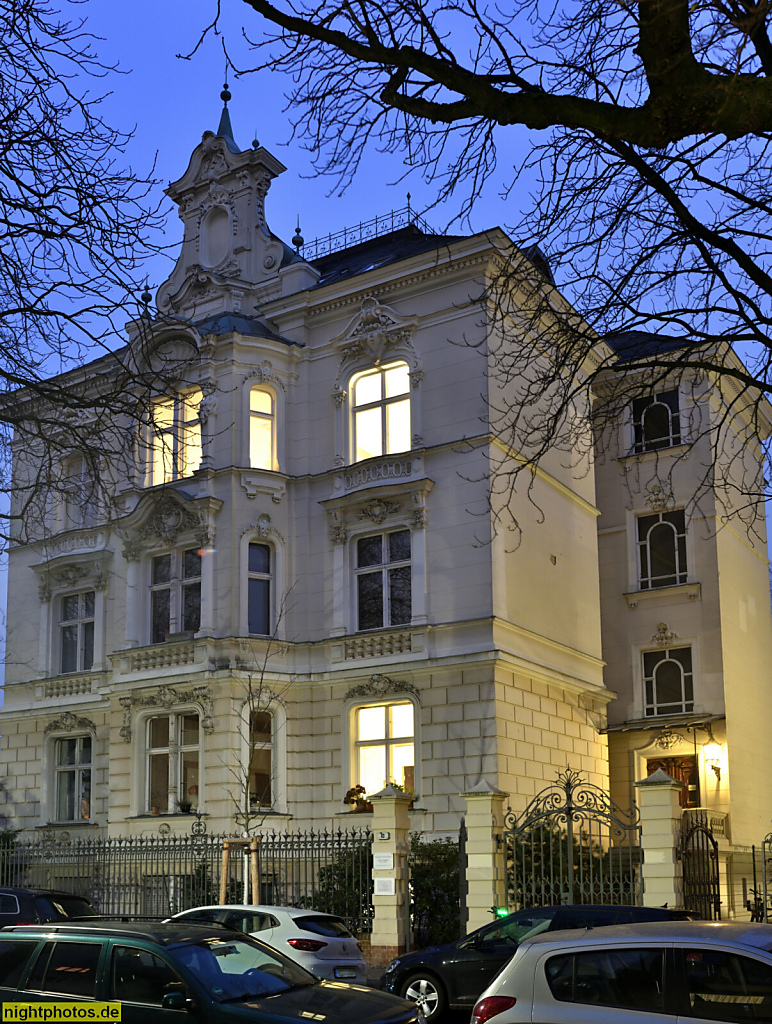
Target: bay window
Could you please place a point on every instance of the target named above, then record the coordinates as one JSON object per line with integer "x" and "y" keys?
{"x": 176, "y": 437}
{"x": 175, "y": 593}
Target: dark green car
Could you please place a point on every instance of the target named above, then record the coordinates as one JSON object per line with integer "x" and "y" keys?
{"x": 164, "y": 972}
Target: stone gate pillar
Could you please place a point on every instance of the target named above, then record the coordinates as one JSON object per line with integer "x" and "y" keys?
{"x": 660, "y": 827}
{"x": 486, "y": 869}
{"x": 390, "y": 825}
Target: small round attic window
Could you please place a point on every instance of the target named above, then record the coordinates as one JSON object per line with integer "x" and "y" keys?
{"x": 215, "y": 231}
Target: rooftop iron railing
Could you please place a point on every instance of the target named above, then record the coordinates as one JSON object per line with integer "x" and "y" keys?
{"x": 362, "y": 232}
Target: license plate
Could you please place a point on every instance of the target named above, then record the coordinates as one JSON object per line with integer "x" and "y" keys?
{"x": 345, "y": 972}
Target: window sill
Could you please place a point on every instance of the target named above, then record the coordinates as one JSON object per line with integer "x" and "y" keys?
{"x": 681, "y": 592}
{"x": 679, "y": 450}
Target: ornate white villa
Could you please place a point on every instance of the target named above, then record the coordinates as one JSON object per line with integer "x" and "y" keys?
{"x": 299, "y": 588}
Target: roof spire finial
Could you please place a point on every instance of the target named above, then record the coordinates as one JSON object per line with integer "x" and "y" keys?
{"x": 297, "y": 239}
{"x": 225, "y": 94}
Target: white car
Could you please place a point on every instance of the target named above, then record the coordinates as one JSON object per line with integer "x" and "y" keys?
{"x": 668, "y": 972}
{"x": 319, "y": 942}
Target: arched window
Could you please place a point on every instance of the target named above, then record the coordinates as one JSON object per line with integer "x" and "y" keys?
{"x": 260, "y": 576}
{"x": 662, "y": 549}
{"x": 381, "y": 411}
{"x": 668, "y": 682}
{"x": 262, "y": 420}
{"x": 656, "y": 421}
{"x": 176, "y": 437}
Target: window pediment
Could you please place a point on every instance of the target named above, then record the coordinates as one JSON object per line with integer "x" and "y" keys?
{"x": 86, "y": 569}
{"x": 389, "y": 504}
{"x": 167, "y": 519}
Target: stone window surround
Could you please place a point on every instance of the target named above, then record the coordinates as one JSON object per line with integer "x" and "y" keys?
{"x": 378, "y": 689}
{"x": 65, "y": 726}
{"x": 138, "y": 708}
{"x": 664, "y": 637}
{"x": 262, "y": 531}
{"x": 366, "y": 511}
{"x": 62, "y": 575}
{"x": 274, "y": 704}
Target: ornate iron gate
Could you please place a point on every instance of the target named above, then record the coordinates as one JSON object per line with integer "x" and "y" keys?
{"x": 572, "y": 844}
{"x": 698, "y": 851}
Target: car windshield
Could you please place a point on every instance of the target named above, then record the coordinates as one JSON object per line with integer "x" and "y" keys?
{"x": 61, "y": 907}
{"x": 233, "y": 968}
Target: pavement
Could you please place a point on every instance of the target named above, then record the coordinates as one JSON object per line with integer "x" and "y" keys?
{"x": 373, "y": 976}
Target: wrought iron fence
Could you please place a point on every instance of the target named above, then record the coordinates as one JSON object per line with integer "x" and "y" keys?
{"x": 572, "y": 844}
{"x": 162, "y": 875}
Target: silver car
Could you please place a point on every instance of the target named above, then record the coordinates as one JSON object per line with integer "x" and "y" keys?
{"x": 319, "y": 942}
{"x": 669, "y": 972}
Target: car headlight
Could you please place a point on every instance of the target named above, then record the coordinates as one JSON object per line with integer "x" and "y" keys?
{"x": 392, "y": 967}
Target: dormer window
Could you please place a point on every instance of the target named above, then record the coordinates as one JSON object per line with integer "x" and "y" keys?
{"x": 381, "y": 411}
{"x": 656, "y": 422}
{"x": 176, "y": 437}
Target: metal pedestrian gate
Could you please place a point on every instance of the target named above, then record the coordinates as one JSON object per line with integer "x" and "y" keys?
{"x": 572, "y": 844}
{"x": 698, "y": 851}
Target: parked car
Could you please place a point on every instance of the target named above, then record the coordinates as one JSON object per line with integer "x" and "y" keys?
{"x": 319, "y": 942}
{"x": 455, "y": 973}
{"x": 666, "y": 972}
{"x": 31, "y": 906}
{"x": 217, "y": 975}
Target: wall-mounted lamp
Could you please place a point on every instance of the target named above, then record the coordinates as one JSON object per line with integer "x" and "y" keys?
{"x": 711, "y": 753}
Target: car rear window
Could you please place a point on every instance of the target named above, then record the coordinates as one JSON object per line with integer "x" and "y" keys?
{"x": 628, "y": 978}
{"x": 58, "y": 908}
{"x": 330, "y": 926}
{"x": 14, "y": 957}
{"x": 8, "y": 903}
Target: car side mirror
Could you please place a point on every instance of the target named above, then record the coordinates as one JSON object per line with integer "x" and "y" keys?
{"x": 175, "y": 1001}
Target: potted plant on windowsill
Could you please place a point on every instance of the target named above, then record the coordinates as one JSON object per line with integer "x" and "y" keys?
{"x": 184, "y": 806}
{"x": 356, "y": 798}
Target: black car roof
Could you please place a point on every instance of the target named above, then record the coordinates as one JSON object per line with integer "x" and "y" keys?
{"x": 165, "y": 934}
{"x": 18, "y": 890}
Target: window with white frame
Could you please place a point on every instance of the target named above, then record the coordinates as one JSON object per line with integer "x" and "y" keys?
{"x": 656, "y": 421}
{"x": 259, "y": 590}
{"x": 668, "y": 682}
{"x": 384, "y": 742}
{"x": 76, "y": 632}
{"x": 381, "y": 411}
{"x": 262, "y": 759}
{"x": 172, "y": 771}
{"x": 80, "y": 504}
{"x": 176, "y": 437}
{"x": 661, "y": 549}
{"x": 175, "y": 593}
{"x": 72, "y": 778}
{"x": 262, "y": 422}
{"x": 383, "y": 575}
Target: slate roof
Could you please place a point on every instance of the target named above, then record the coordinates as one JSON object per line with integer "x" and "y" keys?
{"x": 631, "y": 346}
{"x": 378, "y": 252}
{"x": 250, "y": 326}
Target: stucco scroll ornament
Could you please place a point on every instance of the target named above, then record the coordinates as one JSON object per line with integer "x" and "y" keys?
{"x": 667, "y": 740}
{"x": 376, "y": 330}
{"x": 207, "y": 408}
{"x": 262, "y": 184}
{"x": 265, "y": 374}
{"x": 377, "y": 510}
{"x": 380, "y": 686}
{"x": 664, "y": 637}
{"x": 69, "y": 723}
{"x": 169, "y": 520}
{"x": 338, "y": 533}
{"x": 166, "y": 697}
{"x": 658, "y": 498}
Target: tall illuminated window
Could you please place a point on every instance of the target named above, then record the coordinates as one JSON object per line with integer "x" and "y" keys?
{"x": 261, "y": 429}
{"x": 381, "y": 410}
{"x": 385, "y": 745}
{"x": 176, "y": 437}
